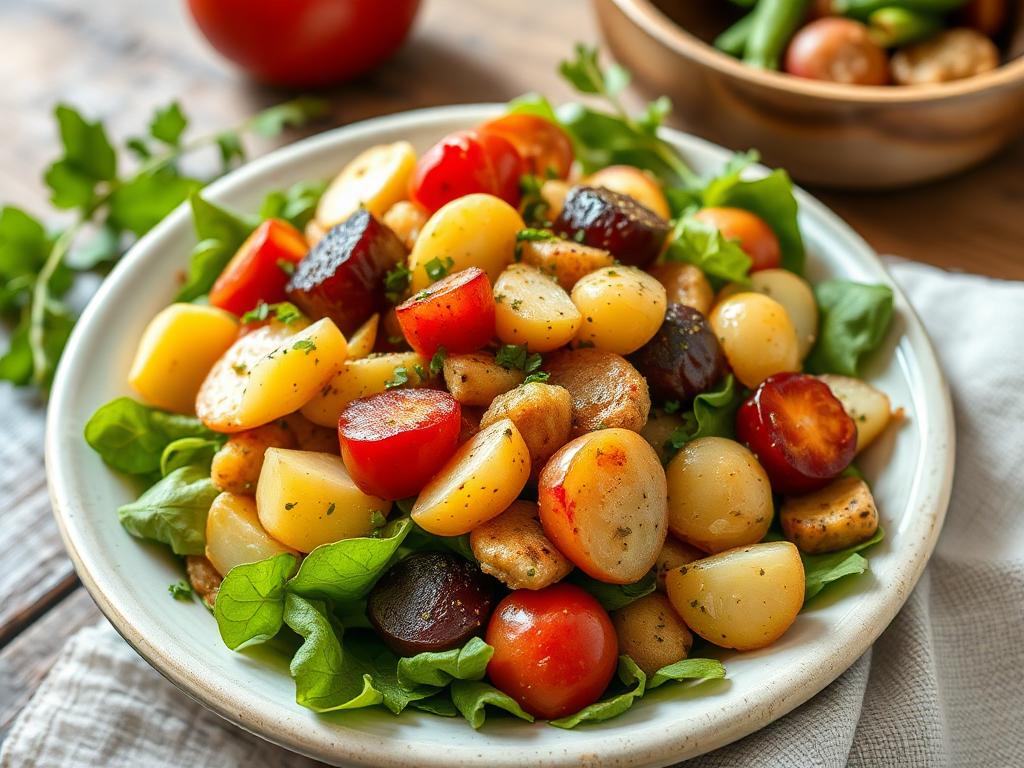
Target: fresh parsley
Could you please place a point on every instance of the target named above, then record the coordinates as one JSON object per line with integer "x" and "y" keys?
{"x": 396, "y": 283}
{"x": 399, "y": 378}
{"x": 305, "y": 345}
{"x": 284, "y": 312}
{"x": 517, "y": 357}
{"x": 180, "y": 590}
{"x": 437, "y": 268}
{"x": 437, "y": 361}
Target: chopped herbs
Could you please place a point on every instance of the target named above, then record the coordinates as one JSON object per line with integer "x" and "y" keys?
{"x": 377, "y": 519}
{"x": 284, "y": 312}
{"x": 516, "y": 357}
{"x": 671, "y": 406}
{"x": 290, "y": 505}
{"x": 330, "y": 508}
{"x": 532, "y": 234}
{"x": 437, "y": 361}
{"x": 539, "y": 377}
{"x": 305, "y": 344}
{"x": 436, "y": 268}
{"x": 180, "y": 590}
{"x": 396, "y": 283}
{"x": 399, "y": 379}
{"x": 288, "y": 267}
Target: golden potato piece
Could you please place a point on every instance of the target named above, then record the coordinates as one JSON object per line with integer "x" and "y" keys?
{"x": 363, "y": 339}
{"x": 406, "y": 220}
{"x": 234, "y": 535}
{"x": 629, "y": 180}
{"x": 684, "y": 284}
{"x": 476, "y": 379}
{"x": 651, "y": 633}
{"x": 513, "y": 549}
{"x": 868, "y": 406}
{"x": 532, "y": 309}
{"x": 674, "y": 553}
{"x": 543, "y": 414}
{"x": 309, "y": 436}
{"x": 565, "y": 260}
{"x": 236, "y": 466}
{"x": 606, "y": 390}
{"x": 757, "y": 336}
{"x": 375, "y": 179}
{"x": 838, "y": 516}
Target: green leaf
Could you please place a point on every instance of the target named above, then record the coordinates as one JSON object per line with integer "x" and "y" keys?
{"x": 631, "y": 676}
{"x": 439, "y": 668}
{"x": 471, "y": 698}
{"x": 16, "y": 365}
{"x": 23, "y": 244}
{"x": 132, "y": 437}
{"x": 347, "y": 569}
{"x": 220, "y": 233}
{"x": 614, "y": 596}
{"x": 533, "y": 104}
{"x": 229, "y": 143}
{"x": 144, "y": 201}
{"x": 168, "y": 124}
{"x": 583, "y": 72}
{"x": 702, "y": 245}
{"x": 822, "y": 570}
{"x": 713, "y": 415}
{"x": 16, "y": 362}
{"x": 251, "y": 601}
{"x": 439, "y": 704}
{"x": 69, "y": 187}
{"x": 855, "y": 319}
{"x": 188, "y": 450}
{"x": 517, "y": 357}
{"x": 180, "y": 590}
{"x": 365, "y": 655}
{"x": 86, "y": 146}
{"x": 296, "y": 204}
{"x": 687, "y": 669}
{"x": 290, "y": 114}
{"x": 173, "y": 511}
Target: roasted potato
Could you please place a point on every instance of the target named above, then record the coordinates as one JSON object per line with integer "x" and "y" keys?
{"x": 310, "y": 436}
{"x": 869, "y": 407}
{"x": 651, "y": 633}
{"x": 658, "y": 430}
{"x": 606, "y": 390}
{"x": 236, "y": 466}
{"x": 836, "y": 517}
{"x": 543, "y": 414}
{"x": 793, "y": 293}
{"x": 684, "y": 284}
{"x": 565, "y": 260}
{"x": 204, "y": 578}
{"x": 375, "y": 179}
{"x": 512, "y": 548}
{"x": 406, "y": 219}
{"x": 532, "y": 309}
{"x": 674, "y": 553}
{"x": 628, "y": 180}
{"x": 234, "y": 535}
{"x": 476, "y": 379}
{"x": 622, "y": 308}
{"x": 757, "y": 336}
{"x": 362, "y": 342}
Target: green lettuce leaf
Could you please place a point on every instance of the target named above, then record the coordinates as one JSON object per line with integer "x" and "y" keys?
{"x": 855, "y": 319}
{"x": 471, "y": 697}
{"x": 251, "y": 601}
{"x": 713, "y": 415}
{"x": 173, "y": 510}
{"x": 614, "y": 596}
{"x": 632, "y": 677}
{"x": 702, "y": 245}
{"x": 189, "y": 450}
{"x": 220, "y": 234}
{"x": 439, "y": 668}
{"x": 687, "y": 669}
{"x": 367, "y": 657}
{"x": 822, "y": 570}
{"x": 438, "y": 704}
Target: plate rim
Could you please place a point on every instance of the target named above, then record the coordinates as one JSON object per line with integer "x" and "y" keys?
{"x": 659, "y": 749}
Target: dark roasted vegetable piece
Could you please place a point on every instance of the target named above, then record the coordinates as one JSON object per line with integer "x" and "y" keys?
{"x": 600, "y": 218}
{"x": 430, "y": 601}
{"x": 683, "y": 359}
{"x": 342, "y": 277}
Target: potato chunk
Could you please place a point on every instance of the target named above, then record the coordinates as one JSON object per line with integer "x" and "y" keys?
{"x": 869, "y": 407}
{"x": 606, "y": 390}
{"x": 651, "y": 633}
{"x": 361, "y": 343}
{"x": 236, "y": 466}
{"x": 531, "y": 309}
{"x": 405, "y": 219}
{"x": 743, "y": 598}
{"x": 360, "y": 378}
{"x": 623, "y": 307}
{"x": 477, "y": 484}
{"x": 513, "y": 549}
{"x": 375, "y": 179}
{"x": 543, "y": 414}
{"x": 306, "y": 499}
{"x": 565, "y": 260}
{"x": 476, "y": 379}
{"x": 674, "y": 553}
{"x": 234, "y": 535}
{"x": 177, "y": 350}
{"x": 836, "y": 517}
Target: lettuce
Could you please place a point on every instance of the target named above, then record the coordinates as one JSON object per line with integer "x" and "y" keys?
{"x": 439, "y": 669}
{"x": 713, "y": 415}
{"x": 471, "y": 698}
{"x": 614, "y": 596}
{"x": 855, "y": 319}
{"x": 822, "y": 570}
{"x": 700, "y": 244}
{"x": 173, "y": 511}
{"x": 251, "y": 601}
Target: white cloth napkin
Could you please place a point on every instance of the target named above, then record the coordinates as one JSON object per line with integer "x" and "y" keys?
{"x": 943, "y": 686}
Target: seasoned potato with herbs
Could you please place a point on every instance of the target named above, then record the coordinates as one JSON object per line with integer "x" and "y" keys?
{"x": 627, "y": 180}
{"x": 651, "y": 633}
{"x": 375, "y": 179}
{"x": 869, "y": 407}
{"x": 234, "y": 535}
{"x": 684, "y": 284}
{"x": 743, "y": 598}
{"x": 476, "y": 379}
{"x": 405, "y": 219}
{"x": 362, "y": 341}
{"x": 477, "y": 484}
{"x": 793, "y": 293}
{"x": 622, "y": 308}
{"x": 362, "y": 378}
{"x": 757, "y": 336}
{"x": 513, "y": 549}
{"x": 473, "y": 231}
{"x": 309, "y": 436}
{"x": 204, "y": 578}
{"x": 673, "y": 554}
{"x": 719, "y": 496}
{"x": 565, "y": 260}
{"x": 836, "y": 517}
{"x": 606, "y": 390}
{"x": 543, "y": 414}
{"x": 306, "y": 499}
{"x": 236, "y": 466}
{"x": 177, "y": 350}
{"x": 531, "y": 309}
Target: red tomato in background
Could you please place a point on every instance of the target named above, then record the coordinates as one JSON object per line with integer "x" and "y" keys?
{"x": 545, "y": 148}
{"x": 463, "y": 163}
{"x": 394, "y": 442}
{"x": 755, "y": 237}
{"x": 257, "y": 271}
{"x": 555, "y": 649}
{"x": 457, "y": 313}
{"x": 305, "y": 42}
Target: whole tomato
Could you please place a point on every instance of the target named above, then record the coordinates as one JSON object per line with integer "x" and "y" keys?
{"x": 305, "y": 42}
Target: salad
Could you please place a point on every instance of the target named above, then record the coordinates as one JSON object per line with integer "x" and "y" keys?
{"x": 537, "y": 420}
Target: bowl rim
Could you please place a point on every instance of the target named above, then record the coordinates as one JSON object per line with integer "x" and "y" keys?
{"x": 649, "y": 747}
{"x": 652, "y": 20}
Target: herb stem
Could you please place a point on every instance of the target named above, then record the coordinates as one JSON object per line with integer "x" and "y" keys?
{"x": 40, "y": 300}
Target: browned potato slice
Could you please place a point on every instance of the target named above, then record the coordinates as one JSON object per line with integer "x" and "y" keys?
{"x": 684, "y": 284}
{"x": 869, "y": 407}
{"x": 651, "y": 633}
{"x": 513, "y": 548}
{"x": 476, "y": 379}
{"x": 204, "y": 578}
{"x": 838, "y": 516}
{"x": 606, "y": 390}
{"x": 364, "y": 338}
{"x": 674, "y": 553}
{"x": 543, "y": 414}
{"x": 564, "y": 260}
{"x": 236, "y": 466}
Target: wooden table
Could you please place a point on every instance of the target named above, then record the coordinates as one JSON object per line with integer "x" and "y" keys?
{"x": 121, "y": 58}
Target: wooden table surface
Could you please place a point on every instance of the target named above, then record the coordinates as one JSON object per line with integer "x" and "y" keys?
{"x": 121, "y": 58}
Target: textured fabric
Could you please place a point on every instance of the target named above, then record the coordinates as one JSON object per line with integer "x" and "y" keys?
{"x": 943, "y": 686}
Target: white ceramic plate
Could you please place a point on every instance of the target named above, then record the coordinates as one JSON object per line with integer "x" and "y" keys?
{"x": 910, "y": 469}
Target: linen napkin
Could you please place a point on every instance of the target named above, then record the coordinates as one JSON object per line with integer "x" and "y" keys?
{"x": 943, "y": 686}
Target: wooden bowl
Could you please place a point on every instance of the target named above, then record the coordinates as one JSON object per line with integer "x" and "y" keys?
{"x": 825, "y": 134}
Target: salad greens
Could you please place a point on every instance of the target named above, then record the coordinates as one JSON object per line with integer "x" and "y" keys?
{"x": 250, "y": 604}
{"x": 855, "y": 319}
{"x": 173, "y": 511}
{"x": 822, "y": 570}
{"x": 713, "y": 415}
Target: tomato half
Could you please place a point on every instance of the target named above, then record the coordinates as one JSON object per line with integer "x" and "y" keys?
{"x": 755, "y": 237}
{"x": 457, "y": 313}
{"x": 555, "y": 649}
{"x": 545, "y": 148}
{"x": 260, "y": 269}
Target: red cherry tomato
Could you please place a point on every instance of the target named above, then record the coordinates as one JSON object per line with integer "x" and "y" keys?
{"x": 414, "y": 429}
{"x": 838, "y": 50}
{"x": 304, "y": 42}
{"x": 555, "y": 649}
{"x": 798, "y": 430}
{"x": 545, "y": 148}
{"x": 755, "y": 237}
{"x": 257, "y": 271}
{"x": 456, "y": 312}
{"x": 465, "y": 162}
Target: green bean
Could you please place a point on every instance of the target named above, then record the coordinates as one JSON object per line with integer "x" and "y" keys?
{"x": 862, "y": 9}
{"x": 893, "y": 26}
{"x": 734, "y": 40}
{"x": 773, "y": 25}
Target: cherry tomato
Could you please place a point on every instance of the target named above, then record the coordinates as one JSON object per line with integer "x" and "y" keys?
{"x": 456, "y": 312}
{"x": 304, "y": 42}
{"x": 415, "y": 429}
{"x": 545, "y": 148}
{"x": 555, "y": 649}
{"x": 465, "y": 162}
{"x": 259, "y": 270}
{"x": 838, "y": 50}
{"x": 755, "y": 237}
